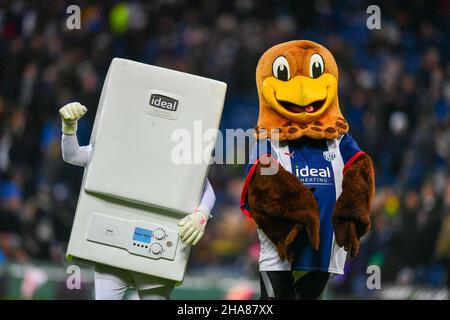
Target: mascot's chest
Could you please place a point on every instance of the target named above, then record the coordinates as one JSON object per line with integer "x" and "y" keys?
{"x": 316, "y": 163}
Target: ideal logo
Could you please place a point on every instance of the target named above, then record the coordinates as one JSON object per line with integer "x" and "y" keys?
{"x": 312, "y": 172}
{"x": 329, "y": 155}
{"x": 163, "y": 102}
{"x": 313, "y": 176}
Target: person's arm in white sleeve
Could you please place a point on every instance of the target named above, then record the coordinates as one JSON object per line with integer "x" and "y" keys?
{"x": 71, "y": 150}
{"x": 192, "y": 227}
{"x": 208, "y": 199}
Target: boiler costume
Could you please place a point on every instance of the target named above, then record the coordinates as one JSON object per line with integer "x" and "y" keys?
{"x": 111, "y": 283}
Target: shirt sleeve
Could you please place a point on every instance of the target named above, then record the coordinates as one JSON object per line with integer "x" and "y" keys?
{"x": 208, "y": 198}
{"x": 72, "y": 152}
{"x": 261, "y": 148}
{"x": 349, "y": 149}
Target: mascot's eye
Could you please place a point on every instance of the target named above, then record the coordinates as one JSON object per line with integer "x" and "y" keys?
{"x": 316, "y": 66}
{"x": 280, "y": 68}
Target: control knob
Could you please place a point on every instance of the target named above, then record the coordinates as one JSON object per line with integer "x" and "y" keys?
{"x": 156, "y": 248}
{"x": 159, "y": 234}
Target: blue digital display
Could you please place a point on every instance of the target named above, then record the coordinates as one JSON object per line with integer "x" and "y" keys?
{"x": 142, "y": 235}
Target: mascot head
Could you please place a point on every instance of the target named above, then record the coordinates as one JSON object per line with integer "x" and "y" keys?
{"x": 297, "y": 86}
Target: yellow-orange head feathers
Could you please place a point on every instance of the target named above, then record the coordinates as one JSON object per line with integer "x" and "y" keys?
{"x": 297, "y": 86}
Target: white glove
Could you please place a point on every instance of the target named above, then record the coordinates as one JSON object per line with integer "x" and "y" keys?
{"x": 192, "y": 227}
{"x": 70, "y": 114}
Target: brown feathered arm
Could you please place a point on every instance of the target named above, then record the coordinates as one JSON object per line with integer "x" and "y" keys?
{"x": 351, "y": 216}
{"x": 281, "y": 206}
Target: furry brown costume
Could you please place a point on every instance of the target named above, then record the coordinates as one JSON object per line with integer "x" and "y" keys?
{"x": 351, "y": 216}
{"x": 303, "y": 101}
{"x": 273, "y": 201}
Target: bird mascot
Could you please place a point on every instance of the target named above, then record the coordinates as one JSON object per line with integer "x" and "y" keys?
{"x": 309, "y": 186}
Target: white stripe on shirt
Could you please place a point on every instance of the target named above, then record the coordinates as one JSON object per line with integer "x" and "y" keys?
{"x": 338, "y": 254}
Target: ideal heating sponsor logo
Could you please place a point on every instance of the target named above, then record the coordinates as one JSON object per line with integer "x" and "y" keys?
{"x": 309, "y": 175}
{"x": 163, "y": 104}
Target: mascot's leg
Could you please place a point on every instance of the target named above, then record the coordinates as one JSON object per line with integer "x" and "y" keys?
{"x": 110, "y": 283}
{"x": 276, "y": 285}
{"x": 309, "y": 285}
{"x": 160, "y": 293}
{"x": 151, "y": 287}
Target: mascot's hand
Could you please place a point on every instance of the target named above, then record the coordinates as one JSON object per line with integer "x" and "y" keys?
{"x": 347, "y": 236}
{"x": 70, "y": 114}
{"x": 282, "y": 206}
{"x": 351, "y": 217}
{"x": 192, "y": 227}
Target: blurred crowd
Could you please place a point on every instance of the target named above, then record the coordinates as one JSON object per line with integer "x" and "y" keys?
{"x": 394, "y": 89}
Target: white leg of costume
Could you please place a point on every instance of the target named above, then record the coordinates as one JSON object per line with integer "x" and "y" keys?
{"x": 160, "y": 293}
{"x": 152, "y": 288}
{"x": 111, "y": 283}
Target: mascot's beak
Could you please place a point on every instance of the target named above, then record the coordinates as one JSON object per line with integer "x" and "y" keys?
{"x": 301, "y": 99}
